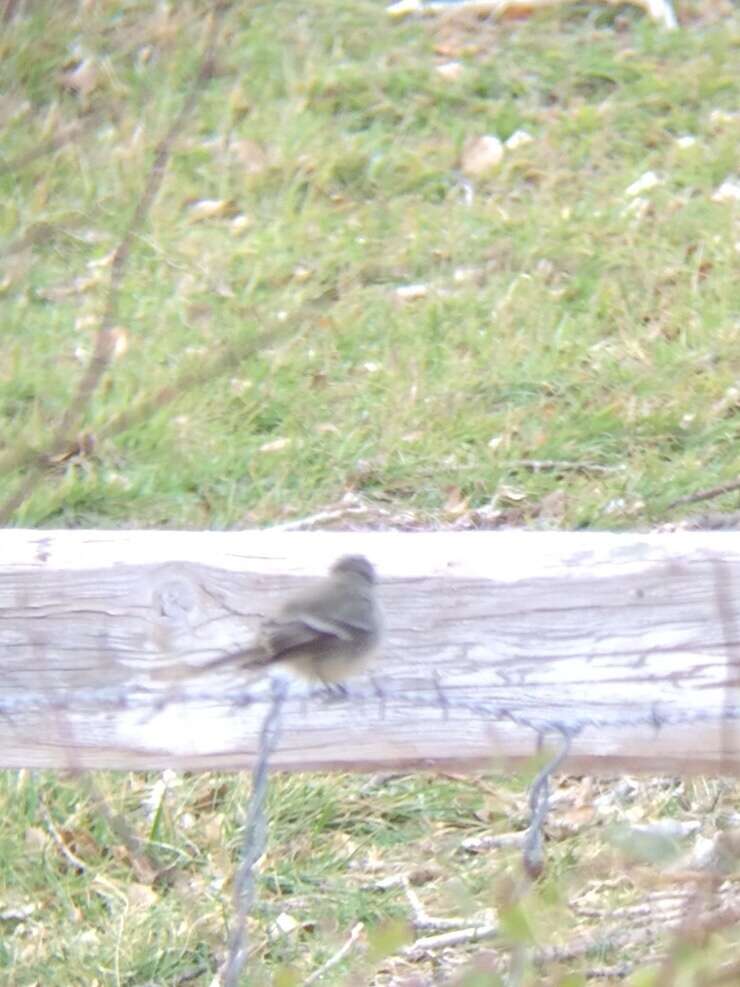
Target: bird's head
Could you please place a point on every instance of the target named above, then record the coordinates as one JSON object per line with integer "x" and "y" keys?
{"x": 356, "y": 565}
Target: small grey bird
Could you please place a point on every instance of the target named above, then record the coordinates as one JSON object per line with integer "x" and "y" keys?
{"x": 327, "y": 632}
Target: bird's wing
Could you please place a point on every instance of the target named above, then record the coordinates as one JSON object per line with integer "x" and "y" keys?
{"x": 352, "y": 610}
{"x": 282, "y": 636}
{"x": 338, "y": 613}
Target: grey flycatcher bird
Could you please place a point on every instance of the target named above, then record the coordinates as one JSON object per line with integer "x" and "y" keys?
{"x": 326, "y": 633}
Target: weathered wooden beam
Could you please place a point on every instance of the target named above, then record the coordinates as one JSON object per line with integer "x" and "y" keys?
{"x": 634, "y": 638}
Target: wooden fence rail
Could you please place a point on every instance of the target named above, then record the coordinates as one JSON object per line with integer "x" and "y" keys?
{"x": 633, "y": 637}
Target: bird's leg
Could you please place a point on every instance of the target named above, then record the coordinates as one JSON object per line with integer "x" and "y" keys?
{"x": 334, "y": 690}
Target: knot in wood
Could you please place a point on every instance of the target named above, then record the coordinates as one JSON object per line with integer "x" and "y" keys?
{"x": 174, "y": 599}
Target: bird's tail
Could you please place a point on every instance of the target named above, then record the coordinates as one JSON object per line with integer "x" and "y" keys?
{"x": 249, "y": 657}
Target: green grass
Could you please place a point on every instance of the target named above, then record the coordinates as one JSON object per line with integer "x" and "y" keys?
{"x": 333, "y": 841}
{"x": 581, "y": 333}
{"x": 557, "y": 324}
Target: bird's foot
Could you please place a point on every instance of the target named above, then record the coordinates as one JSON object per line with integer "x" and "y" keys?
{"x": 334, "y": 691}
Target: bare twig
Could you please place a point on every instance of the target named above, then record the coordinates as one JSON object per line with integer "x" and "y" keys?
{"x": 698, "y": 924}
{"x": 104, "y": 886}
{"x": 424, "y": 921}
{"x": 728, "y": 973}
{"x": 478, "y": 844}
{"x": 72, "y": 859}
{"x": 543, "y": 957}
{"x": 146, "y": 868}
{"x": 598, "y": 944}
{"x": 255, "y": 839}
{"x": 8, "y": 11}
{"x": 321, "y": 518}
{"x": 222, "y": 362}
{"x": 708, "y": 494}
{"x": 48, "y": 147}
{"x": 104, "y": 339}
{"x": 659, "y": 10}
{"x": 564, "y": 466}
{"x": 431, "y": 944}
{"x": 337, "y": 957}
{"x": 617, "y": 972}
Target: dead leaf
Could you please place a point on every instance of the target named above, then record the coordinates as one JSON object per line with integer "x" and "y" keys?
{"x": 240, "y": 223}
{"x": 83, "y": 79}
{"x": 728, "y": 404}
{"x": 239, "y": 385}
{"x": 450, "y": 71}
{"x": 83, "y": 447}
{"x": 283, "y": 925}
{"x": 570, "y": 822}
{"x": 58, "y": 293}
{"x": 403, "y": 8}
{"x": 644, "y": 183}
{"x": 119, "y": 340}
{"x": 276, "y": 445}
{"x": 36, "y": 839}
{"x": 718, "y": 118}
{"x": 141, "y": 896}
{"x": 481, "y": 155}
{"x": 511, "y": 493}
{"x": 554, "y": 505}
{"x": 518, "y": 139}
{"x": 17, "y": 914}
{"x": 456, "y": 504}
{"x": 251, "y": 156}
{"x": 208, "y": 209}
{"x": 302, "y": 274}
{"x": 410, "y": 292}
{"x": 729, "y": 191}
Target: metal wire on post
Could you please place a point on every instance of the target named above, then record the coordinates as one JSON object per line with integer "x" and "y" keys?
{"x": 539, "y": 802}
{"x": 255, "y": 838}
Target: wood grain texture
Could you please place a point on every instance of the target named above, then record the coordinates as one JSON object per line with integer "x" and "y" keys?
{"x": 634, "y": 638}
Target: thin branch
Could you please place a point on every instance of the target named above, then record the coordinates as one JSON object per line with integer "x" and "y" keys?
{"x": 337, "y": 957}
{"x": 698, "y": 924}
{"x": 72, "y": 859}
{"x": 431, "y": 944}
{"x": 601, "y": 943}
{"x": 543, "y": 957}
{"x": 564, "y": 466}
{"x": 104, "y": 341}
{"x": 221, "y": 363}
{"x": 617, "y": 972}
{"x": 708, "y": 494}
{"x": 728, "y": 973}
{"x": 478, "y": 844}
{"x": 47, "y": 147}
{"x": 659, "y": 10}
{"x": 424, "y": 921}
{"x": 9, "y": 11}
{"x": 145, "y": 867}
